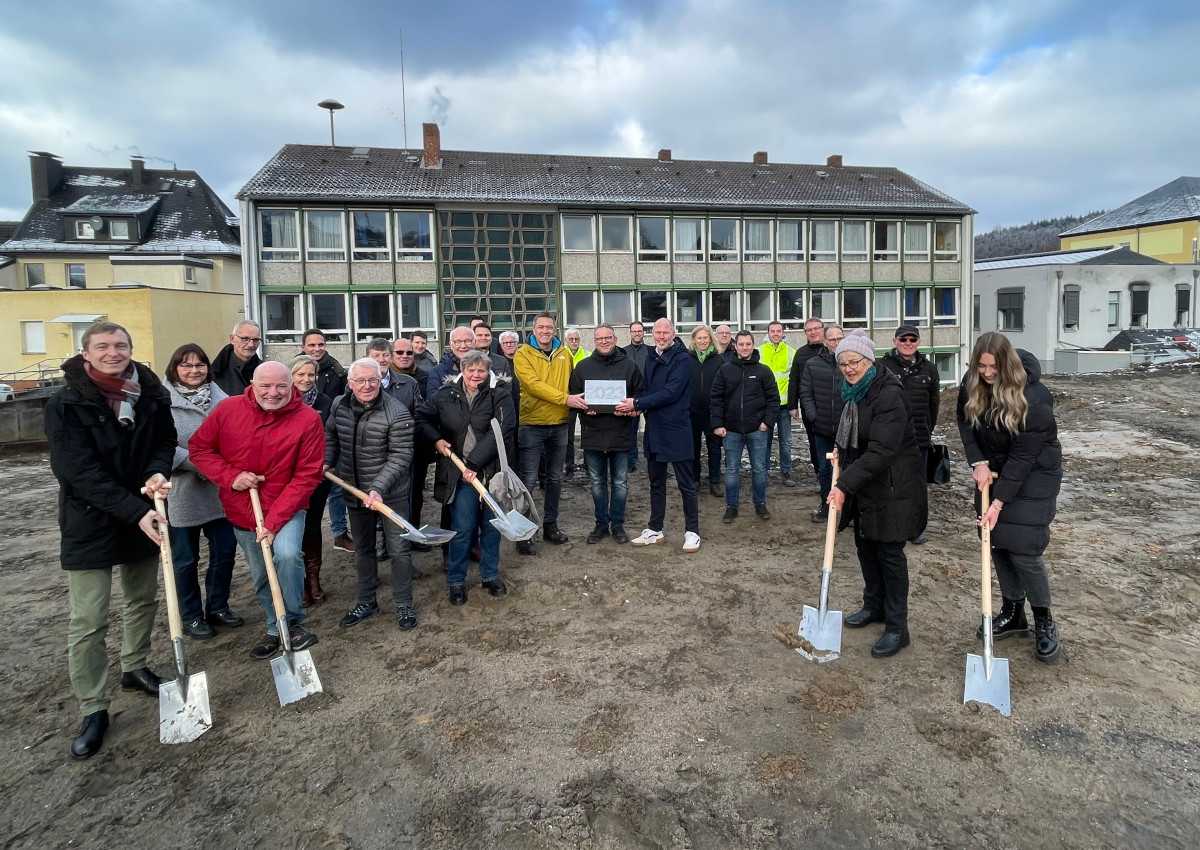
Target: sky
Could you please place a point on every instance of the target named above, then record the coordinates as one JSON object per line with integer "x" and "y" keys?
{"x": 1022, "y": 109}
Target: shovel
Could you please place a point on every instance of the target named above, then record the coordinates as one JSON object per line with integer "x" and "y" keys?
{"x": 428, "y": 534}
{"x": 820, "y": 627}
{"x": 513, "y": 525}
{"x": 183, "y": 710}
{"x": 295, "y": 674}
{"x": 987, "y": 677}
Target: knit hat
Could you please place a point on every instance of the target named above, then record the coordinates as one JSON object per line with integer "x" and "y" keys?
{"x": 858, "y": 342}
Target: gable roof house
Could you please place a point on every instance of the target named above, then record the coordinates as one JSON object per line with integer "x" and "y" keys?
{"x": 368, "y": 241}
{"x": 153, "y": 249}
{"x": 1163, "y": 223}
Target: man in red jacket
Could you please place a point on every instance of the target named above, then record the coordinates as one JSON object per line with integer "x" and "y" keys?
{"x": 270, "y": 432}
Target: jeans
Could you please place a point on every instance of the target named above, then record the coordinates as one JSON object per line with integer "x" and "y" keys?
{"x": 885, "y": 580}
{"x": 824, "y": 446}
{"x": 468, "y": 515}
{"x": 685, "y": 477}
{"x": 185, "y": 552}
{"x": 699, "y": 438}
{"x": 363, "y": 523}
{"x": 337, "y": 511}
{"x": 87, "y": 655}
{"x": 758, "y": 446}
{"x": 1022, "y": 577}
{"x": 536, "y": 442}
{"x": 603, "y": 468}
{"x": 289, "y": 567}
{"x": 784, "y": 426}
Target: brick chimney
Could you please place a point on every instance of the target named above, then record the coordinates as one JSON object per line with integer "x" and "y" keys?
{"x": 834, "y": 161}
{"x": 760, "y": 158}
{"x": 137, "y": 168}
{"x": 664, "y": 155}
{"x": 45, "y": 171}
{"x": 433, "y": 146}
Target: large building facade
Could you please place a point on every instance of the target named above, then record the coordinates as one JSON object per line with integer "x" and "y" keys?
{"x": 366, "y": 242}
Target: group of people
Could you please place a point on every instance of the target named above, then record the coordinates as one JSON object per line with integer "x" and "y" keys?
{"x": 211, "y": 431}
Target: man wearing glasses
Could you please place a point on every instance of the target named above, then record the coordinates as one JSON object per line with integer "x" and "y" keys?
{"x": 821, "y": 400}
{"x": 233, "y": 367}
{"x": 462, "y": 340}
{"x": 922, "y": 387}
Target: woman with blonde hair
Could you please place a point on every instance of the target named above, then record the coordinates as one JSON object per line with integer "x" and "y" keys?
{"x": 706, "y": 360}
{"x": 1006, "y": 420}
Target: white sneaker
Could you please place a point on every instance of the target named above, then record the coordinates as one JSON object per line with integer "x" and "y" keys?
{"x": 648, "y": 537}
{"x": 691, "y": 542}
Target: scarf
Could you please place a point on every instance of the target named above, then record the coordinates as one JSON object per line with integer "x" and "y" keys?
{"x": 701, "y": 355}
{"x": 200, "y": 396}
{"x": 310, "y": 397}
{"x": 121, "y": 393}
{"x": 847, "y": 432}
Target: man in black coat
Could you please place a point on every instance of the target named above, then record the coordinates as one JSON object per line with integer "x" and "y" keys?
{"x": 814, "y": 335}
{"x": 605, "y": 437}
{"x": 743, "y": 407}
{"x": 233, "y": 367}
{"x": 423, "y": 358}
{"x": 111, "y": 434}
{"x": 821, "y": 399}
{"x": 331, "y": 375}
{"x": 637, "y": 351}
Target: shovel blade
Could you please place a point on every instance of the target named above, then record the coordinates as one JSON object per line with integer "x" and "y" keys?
{"x": 822, "y": 634}
{"x": 183, "y": 719}
{"x": 432, "y": 535}
{"x": 514, "y": 526}
{"x": 297, "y": 679}
{"x": 993, "y": 691}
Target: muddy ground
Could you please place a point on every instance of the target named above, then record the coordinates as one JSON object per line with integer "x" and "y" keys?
{"x": 623, "y": 698}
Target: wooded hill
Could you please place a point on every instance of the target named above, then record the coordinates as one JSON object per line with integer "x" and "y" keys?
{"x": 1032, "y": 238}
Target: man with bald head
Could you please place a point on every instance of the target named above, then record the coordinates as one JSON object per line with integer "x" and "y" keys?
{"x": 268, "y": 432}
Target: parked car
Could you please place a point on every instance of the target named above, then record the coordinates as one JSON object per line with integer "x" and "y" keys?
{"x": 6, "y": 392}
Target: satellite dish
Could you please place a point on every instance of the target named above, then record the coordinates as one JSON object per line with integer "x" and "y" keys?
{"x": 96, "y": 222}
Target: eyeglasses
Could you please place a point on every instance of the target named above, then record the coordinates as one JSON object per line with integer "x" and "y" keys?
{"x": 400, "y": 353}
{"x": 470, "y": 341}
{"x": 908, "y": 339}
{"x": 605, "y": 338}
{"x": 193, "y": 366}
{"x": 834, "y": 338}
{"x": 254, "y": 339}
{"x": 852, "y": 364}
{"x": 365, "y": 382}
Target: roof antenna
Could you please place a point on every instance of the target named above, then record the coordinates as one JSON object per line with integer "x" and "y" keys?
{"x": 403, "y": 103}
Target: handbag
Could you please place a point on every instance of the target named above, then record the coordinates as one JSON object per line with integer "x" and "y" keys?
{"x": 937, "y": 465}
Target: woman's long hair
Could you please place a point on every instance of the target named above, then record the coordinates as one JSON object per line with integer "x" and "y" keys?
{"x": 1002, "y": 404}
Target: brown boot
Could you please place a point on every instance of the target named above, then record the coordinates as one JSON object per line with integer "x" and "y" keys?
{"x": 313, "y": 593}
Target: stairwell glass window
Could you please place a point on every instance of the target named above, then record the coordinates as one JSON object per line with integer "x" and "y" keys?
{"x": 579, "y": 233}
{"x": 1010, "y": 309}
{"x": 916, "y": 241}
{"x": 1139, "y": 305}
{"x": 945, "y": 240}
{"x": 723, "y": 240}
{"x": 652, "y": 305}
{"x": 689, "y": 310}
{"x": 615, "y": 234}
{"x": 325, "y": 234}
{"x": 76, "y": 276}
{"x": 758, "y": 241}
{"x": 760, "y": 308}
{"x": 791, "y": 240}
{"x": 887, "y": 241}
{"x": 1070, "y": 308}
{"x": 413, "y": 235}
{"x": 854, "y": 241}
{"x": 824, "y": 241}
{"x": 652, "y": 240}
{"x": 689, "y": 240}
{"x": 279, "y": 234}
{"x": 371, "y": 235}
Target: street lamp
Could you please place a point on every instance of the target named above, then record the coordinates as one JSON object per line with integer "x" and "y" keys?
{"x": 332, "y": 105}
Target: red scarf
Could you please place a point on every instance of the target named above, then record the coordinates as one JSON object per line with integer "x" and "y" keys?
{"x": 122, "y": 393}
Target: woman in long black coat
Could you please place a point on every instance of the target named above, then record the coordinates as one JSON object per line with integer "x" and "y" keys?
{"x": 881, "y": 487}
{"x": 706, "y": 360}
{"x": 1006, "y": 421}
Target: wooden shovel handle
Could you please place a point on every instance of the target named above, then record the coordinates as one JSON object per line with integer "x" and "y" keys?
{"x": 379, "y": 507}
{"x": 272, "y": 578}
{"x": 174, "y": 621}
{"x": 831, "y": 523}
{"x": 985, "y": 538}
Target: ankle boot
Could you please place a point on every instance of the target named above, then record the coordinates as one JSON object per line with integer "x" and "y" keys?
{"x": 313, "y": 593}
{"x": 1049, "y": 650}
{"x": 1009, "y": 622}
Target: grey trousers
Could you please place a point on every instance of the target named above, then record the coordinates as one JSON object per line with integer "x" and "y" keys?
{"x": 1022, "y": 577}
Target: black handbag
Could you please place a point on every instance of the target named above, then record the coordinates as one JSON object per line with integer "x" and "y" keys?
{"x": 937, "y": 467}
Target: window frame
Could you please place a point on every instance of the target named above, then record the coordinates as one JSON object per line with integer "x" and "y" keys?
{"x": 332, "y": 332}
{"x": 890, "y": 320}
{"x": 756, "y": 255}
{"x": 654, "y": 255}
{"x": 292, "y": 334}
{"x": 1017, "y": 321}
{"x": 735, "y": 305}
{"x": 1114, "y": 315}
{"x": 864, "y": 255}
{"x": 85, "y": 230}
{"x": 724, "y": 255}
{"x": 976, "y": 311}
{"x": 1070, "y": 289}
{"x": 628, "y": 222}
{"x": 267, "y": 253}
{"x": 1139, "y": 291}
{"x": 119, "y": 222}
{"x": 366, "y": 334}
{"x": 189, "y": 274}
{"x": 953, "y": 372}
{"x": 834, "y": 299}
{"x": 430, "y": 329}
{"x": 944, "y": 319}
{"x": 70, "y": 277}
{"x": 798, "y": 307}
{"x": 823, "y": 256}
{"x": 575, "y": 218}
{"x": 612, "y": 296}
{"x": 919, "y": 317}
{"x": 921, "y": 256}
{"x": 26, "y": 348}
{"x": 1183, "y": 318}
{"x": 570, "y": 295}
{"x": 688, "y": 255}
{"x": 881, "y": 228}
{"x": 413, "y": 254}
{"x": 647, "y": 319}
{"x": 789, "y": 255}
{"x": 863, "y": 321}
{"x": 41, "y": 273}
{"x": 316, "y": 255}
{"x": 367, "y": 254}
{"x": 943, "y": 256}
{"x": 701, "y": 306}
{"x": 772, "y": 301}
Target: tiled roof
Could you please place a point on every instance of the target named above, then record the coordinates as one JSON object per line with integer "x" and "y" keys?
{"x": 1176, "y": 201}
{"x": 1106, "y": 256}
{"x": 323, "y": 173}
{"x": 190, "y": 217}
{"x": 7, "y": 229}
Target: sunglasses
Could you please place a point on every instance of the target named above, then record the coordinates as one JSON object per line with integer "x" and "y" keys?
{"x": 909, "y": 339}
{"x": 400, "y": 353}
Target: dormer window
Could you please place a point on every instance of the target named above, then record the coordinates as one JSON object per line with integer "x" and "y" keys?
{"x": 118, "y": 230}
{"x": 84, "y": 230}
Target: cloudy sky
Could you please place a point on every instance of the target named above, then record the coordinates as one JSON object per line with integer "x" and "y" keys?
{"x": 1023, "y": 109}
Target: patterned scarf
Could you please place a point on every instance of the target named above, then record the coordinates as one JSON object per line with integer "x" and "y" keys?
{"x": 847, "y": 432}
{"x": 200, "y": 396}
{"x": 121, "y": 393}
{"x": 310, "y": 397}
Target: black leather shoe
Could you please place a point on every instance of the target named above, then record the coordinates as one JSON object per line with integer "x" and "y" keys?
{"x": 620, "y": 535}
{"x": 225, "y": 619}
{"x": 144, "y": 680}
{"x": 495, "y": 588}
{"x": 1048, "y": 649}
{"x": 598, "y": 534}
{"x": 863, "y": 618}
{"x": 551, "y": 534}
{"x": 889, "y": 644}
{"x": 91, "y": 735}
{"x": 199, "y": 630}
{"x": 458, "y": 594}
{"x": 265, "y": 648}
{"x": 358, "y": 613}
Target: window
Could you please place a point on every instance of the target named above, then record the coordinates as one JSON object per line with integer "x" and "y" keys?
{"x": 791, "y": 308}
{"x": 887, "y": 241}
{"x": 887, "y": 308}
{"x": 916, "y": 306}
{"x": 1183, "y": 305}
{"x": 854, "y": 308}
{"x": 724, "y": 307}
{"x": 328, "y": 312}
{"x": 759, "y": 304}
{"x": 614, "y": 234}
{"x": 758, "y": 241}
{"x": 281, "y": 315}
{"x": 323, "y": 232}
{"x": 723, "y": 240}
{"x": 370, "y": 235}
{"x": 1114, "y": 310}
{"x": 579, "y": 308}
{"x": 945, "y": 305}
{"x": 33, "y": 337}
{"x": 652, "y": 305}
{"x": 1070, "y": 308}
{"x": 791, "y": 240}
{"x": 189, "y": 274}
{"x": 84, "y": 230}
{"x": 975, "y": 312}
{"x": 1010, "y": 309}
{"x": 916, "y": 241}
{"x": 824, "y": 241}
{"x": 617, "y": 308}
{"x": 945, "y": 240}
{"x": 279, "y": 235}
{"x": 578, "y": 233}
{"x": 854, "y": 241}
{"x": 76, "y": 276}
{"x": 824, "y": 305}
{"x": 689, "y": 240}
{"x": 35, "y": 275}
{"x": 1139, "y": 305}
{"x": 689, "y": 310}
{"x": 417, "y": 314}
{"x": 118, "y": 230}
{"x": 652, "y": 240}
{"x": 413, "y": 235}
{"x": 947, "y": 366}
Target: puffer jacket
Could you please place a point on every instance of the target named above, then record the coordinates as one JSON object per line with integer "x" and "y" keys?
{"x": 543, "y": 380}
{"x": 370, "y": 446}
{"x": 922, "y": 387}
{"x": 447, "y": 416}
{"x": 702, "y": 382}
{"x": 603, "y": 430}
{"x": 194, "y": 500}
{"x": 821, "y": 394}
{"x": 887, "y": 479}
{"x": 666, "y": 400}
{"x": 1029, "y": 465}
{"x": 804, "y": 353}
{"x": 101, "y": 467}
{"x": 744, "y": 395}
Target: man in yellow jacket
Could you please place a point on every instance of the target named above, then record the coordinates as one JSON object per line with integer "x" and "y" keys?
{"x": 543, "y": 368}
{"x": 777, "y": 355}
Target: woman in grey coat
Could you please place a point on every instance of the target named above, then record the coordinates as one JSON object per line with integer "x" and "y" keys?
{"x": 193, "y": 506}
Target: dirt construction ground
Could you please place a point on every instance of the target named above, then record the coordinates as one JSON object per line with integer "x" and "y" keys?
{"x": 624, "y": 698}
